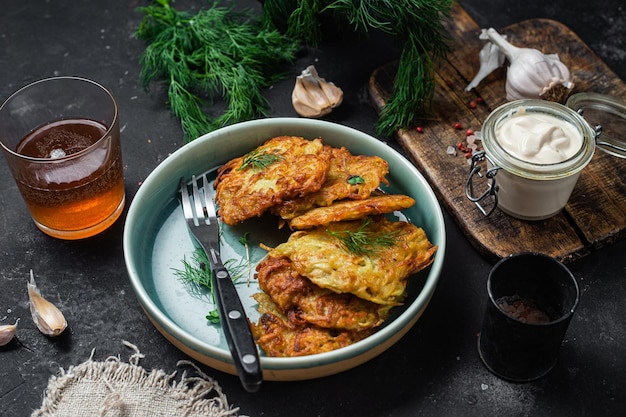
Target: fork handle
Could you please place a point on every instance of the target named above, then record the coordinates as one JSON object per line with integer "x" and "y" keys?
{"x": 238, "y": 334}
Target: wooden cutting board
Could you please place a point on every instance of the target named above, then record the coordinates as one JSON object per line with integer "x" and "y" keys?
{"x": 595, "y": 215}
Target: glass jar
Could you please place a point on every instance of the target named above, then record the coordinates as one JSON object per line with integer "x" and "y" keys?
{"x": 523, "y": 189}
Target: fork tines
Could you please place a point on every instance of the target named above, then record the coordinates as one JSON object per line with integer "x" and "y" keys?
{"x": 208, "y": 197}
{"x": 203, "y": 209}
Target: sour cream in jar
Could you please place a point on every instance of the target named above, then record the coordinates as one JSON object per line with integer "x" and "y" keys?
{"x": 537, "y": 149}
{"x": 538, "y": 138}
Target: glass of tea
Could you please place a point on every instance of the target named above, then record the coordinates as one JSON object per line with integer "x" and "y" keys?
{"x": 531, "y": 301}
{"x": 61, "y": 139}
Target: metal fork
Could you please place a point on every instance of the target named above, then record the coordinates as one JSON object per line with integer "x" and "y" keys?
{"x": 203, "y": 225}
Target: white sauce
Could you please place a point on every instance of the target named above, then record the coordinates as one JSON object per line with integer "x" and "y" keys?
{"x": 538, "y": 138}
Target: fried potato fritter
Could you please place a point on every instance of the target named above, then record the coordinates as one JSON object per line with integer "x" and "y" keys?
{"x": 349, "y": 177}
{"x": 282, "y": 168}
{"x": 337, "y": 278}
{"x": 351, "y": 210}
{"x": 278, "y": 337}
{"x": 304, "y": 302}
{"x": 380, "y": 276}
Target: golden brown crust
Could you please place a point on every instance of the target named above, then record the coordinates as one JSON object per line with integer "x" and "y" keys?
{"x": 379, "y": 277}
{"x": 351, "y": 210}
{"x": 341, "y": 182}
{"x": 243, "y": 192}
{"x": 304, "y": 302}
{"x": 279, "y": 337}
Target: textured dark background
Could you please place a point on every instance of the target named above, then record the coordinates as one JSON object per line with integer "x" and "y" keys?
{"x": 433, "y": 371}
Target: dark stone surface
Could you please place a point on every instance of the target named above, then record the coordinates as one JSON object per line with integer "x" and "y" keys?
{"x": 434, "y": 370}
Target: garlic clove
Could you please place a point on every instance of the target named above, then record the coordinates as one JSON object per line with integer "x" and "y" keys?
{"x": 48, "y": 318}
{"x": 333, "y": 93}
{"x": 491, "y": 58}
{"x": 313, "y": 96}
{"x": 7, "y": 332}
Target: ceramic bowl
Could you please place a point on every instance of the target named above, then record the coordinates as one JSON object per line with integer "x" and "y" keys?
{"x": 156, "y": 241}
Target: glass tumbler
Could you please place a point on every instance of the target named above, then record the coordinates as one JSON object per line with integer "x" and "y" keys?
{"x": 61, "y": 139}
{"x": 532, "y": 298}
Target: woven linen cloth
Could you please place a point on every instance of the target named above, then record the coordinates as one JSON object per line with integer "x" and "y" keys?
{"x": 112, "y": 388}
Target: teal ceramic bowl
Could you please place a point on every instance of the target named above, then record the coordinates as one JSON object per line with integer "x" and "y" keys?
{"x": 156, "y": 241}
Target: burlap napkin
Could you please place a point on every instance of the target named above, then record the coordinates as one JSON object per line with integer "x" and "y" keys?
{"x": 113, "y": 388}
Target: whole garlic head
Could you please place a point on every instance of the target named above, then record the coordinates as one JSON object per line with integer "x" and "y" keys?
{"x": 313, "y": 96}
{"x": 531, "y": 73}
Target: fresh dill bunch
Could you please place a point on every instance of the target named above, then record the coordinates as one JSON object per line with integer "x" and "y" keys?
{"x": 296, "y": 18}
{"x": 196, "y": 275}
{"x": 213, "y": 53}
{"x": 363, "y": 241}
{"x": 417, "y": 25}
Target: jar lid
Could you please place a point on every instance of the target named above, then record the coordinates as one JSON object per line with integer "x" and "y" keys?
{"x": 607, "y": 115}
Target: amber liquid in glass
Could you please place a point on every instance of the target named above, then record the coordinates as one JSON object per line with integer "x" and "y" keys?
{"x": 72, "y": 196}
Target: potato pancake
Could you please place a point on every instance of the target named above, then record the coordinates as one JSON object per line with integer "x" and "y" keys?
{"x": 351, "y": 210}
{"x": 378, "y": 273}
{"x": 278, "y": 337}
{"x": 282, "y": 168}
{"x": 304, "y": 302}
{"x": 349, "y": 177}
{"x": 339, "y": 275}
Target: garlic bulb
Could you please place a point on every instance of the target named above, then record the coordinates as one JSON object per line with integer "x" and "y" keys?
{"x": 313, "y": 96}
{"x": 531, "y": 73}
{"x": 48, "y": 318}
{"x": 7, "y": 332}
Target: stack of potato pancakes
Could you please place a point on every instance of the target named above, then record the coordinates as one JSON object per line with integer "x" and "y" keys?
{"x": 345, "y": 266}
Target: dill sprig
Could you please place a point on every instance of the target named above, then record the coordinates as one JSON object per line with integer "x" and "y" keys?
{"x": 259, "y": 160}
{"x": 245, "y": 241}
{"x": 362, "y": 241}
{"x": 197, "y": 278}
{"x": 196, "y": 275}
{"x": 416, "y": 24}
{"x": 213, "y": 53}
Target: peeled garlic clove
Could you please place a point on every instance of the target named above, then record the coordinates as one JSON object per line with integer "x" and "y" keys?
{"x": 7, "y": 332}
{"x": 313, "y": 96}
{"x": 48, "y": 318}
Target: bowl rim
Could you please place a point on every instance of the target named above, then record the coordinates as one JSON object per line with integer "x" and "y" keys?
{"x": 437, "y": 236}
